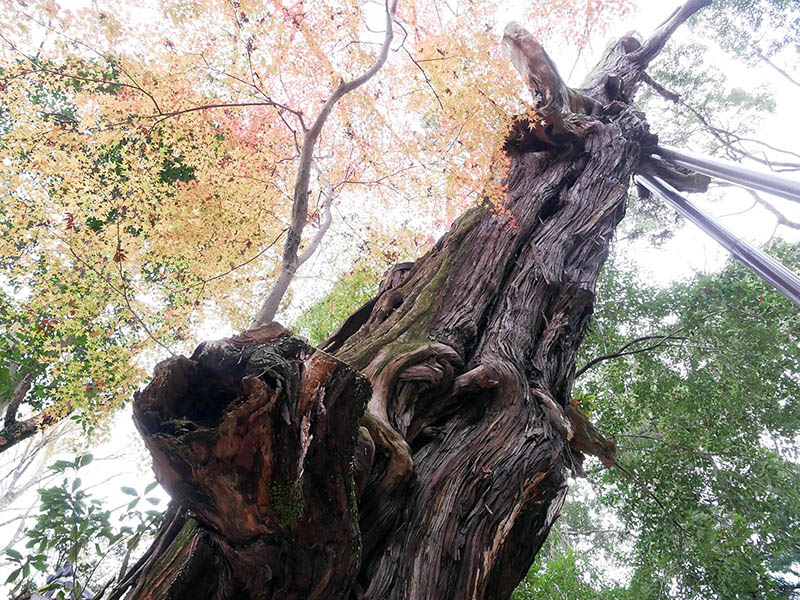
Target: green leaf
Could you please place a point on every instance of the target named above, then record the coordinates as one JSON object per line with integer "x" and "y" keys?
{"x": 16, "y": 556}
{"x": 61, "y": 465}
{"x": 129, "y": 490}
{"x": 94, "y": 224}
{"x": 13, "y": 576}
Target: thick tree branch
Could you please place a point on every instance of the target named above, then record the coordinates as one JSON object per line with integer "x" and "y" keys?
{"x": 328, "y": 192}
{"x": 587, "y": 439}
{"x": 555, "y": 104}
{"x": 548, "y": 90}
{"x": 681, "y": 179}
{"x": 21, "y": 389}
{"x": 619, "y": 73}
{"x": 289, "y": 263}
{"x": 653, "y": 46}
{"x": 666, "y": 94}
{"x": 20, "y": 431}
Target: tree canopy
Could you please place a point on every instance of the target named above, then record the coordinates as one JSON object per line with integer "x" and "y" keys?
{"x": 150, "y": 154}
{"x": 703, "y": 403}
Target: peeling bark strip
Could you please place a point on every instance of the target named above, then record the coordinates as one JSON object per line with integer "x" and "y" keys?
{"x": 452, "y": 479}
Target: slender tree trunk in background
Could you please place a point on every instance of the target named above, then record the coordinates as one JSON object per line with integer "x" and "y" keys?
{"x": 424, "y": 455}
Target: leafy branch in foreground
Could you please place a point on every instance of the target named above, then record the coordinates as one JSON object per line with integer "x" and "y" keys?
{"x": 74, "y": 535}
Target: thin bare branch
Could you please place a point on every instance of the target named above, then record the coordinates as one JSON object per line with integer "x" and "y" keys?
{"x": 653, "y": 46}
{"x": 723, "y": 136}
{"x": 780, "y": 218}
{"x": 588, "y": 532}
{"x": 241, "y": 264}
{"x": 161, "y": 117}
{"x": 416, "y": 64}
{"x": 760, "y": 55}
{"x": 624, "y": 350}
{"x": 124, "y": 290}
{"x": 425, "y": 75}
{"x": 642, "y": 486}
{"x": 124, "y": 297}
{"x": 738, "y": 212}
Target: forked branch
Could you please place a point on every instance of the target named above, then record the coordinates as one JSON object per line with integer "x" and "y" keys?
{"x": 627, "y": 349}
{"x": 290, "y": 260}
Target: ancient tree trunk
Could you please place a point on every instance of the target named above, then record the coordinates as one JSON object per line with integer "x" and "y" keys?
{"x": 423, "y": 454}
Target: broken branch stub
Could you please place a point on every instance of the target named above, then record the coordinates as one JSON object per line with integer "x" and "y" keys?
{"x": 256, "y": 438}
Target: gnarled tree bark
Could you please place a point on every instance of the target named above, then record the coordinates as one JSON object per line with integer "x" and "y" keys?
{"x": 424, "y": 454}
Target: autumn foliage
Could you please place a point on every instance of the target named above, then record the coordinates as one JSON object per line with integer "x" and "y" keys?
{"x": 149, "y": 153}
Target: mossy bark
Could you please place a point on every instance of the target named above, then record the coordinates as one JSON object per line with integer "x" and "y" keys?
{"x": 449, "y": 483}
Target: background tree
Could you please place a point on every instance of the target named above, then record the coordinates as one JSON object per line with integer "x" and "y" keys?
{"x": 698, "y": 384}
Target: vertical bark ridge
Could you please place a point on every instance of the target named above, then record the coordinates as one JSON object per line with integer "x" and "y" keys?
{"x": 517, "y": 299}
